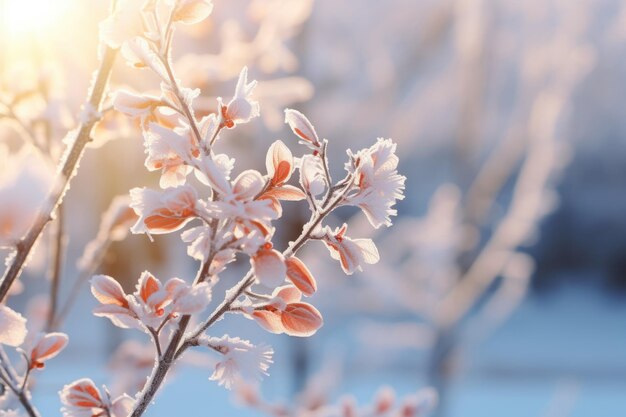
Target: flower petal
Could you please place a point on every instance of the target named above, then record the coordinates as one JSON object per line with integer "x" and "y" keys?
{"x": 13, "y": 327}
{"x": 299, "y": 274}
{"x": 269, "y": 267}
{"x": 301, "y": 319}
{"x": 108, "y": 291}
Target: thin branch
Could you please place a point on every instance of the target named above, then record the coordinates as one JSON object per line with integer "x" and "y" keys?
{"x": 56, "y": 266}
{"x": 11, "y": 382}
{"x": 67, "y": 171}
{"x": 155, "y": 336}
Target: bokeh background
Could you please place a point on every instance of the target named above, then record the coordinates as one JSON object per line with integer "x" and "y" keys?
{"x": 503, "y": 280}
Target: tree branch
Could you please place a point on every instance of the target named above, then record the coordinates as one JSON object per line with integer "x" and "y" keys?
{"x": 67, "y": 170}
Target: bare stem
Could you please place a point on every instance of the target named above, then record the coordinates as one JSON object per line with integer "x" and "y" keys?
{"x": 56, "y": 266}
{"x": 66, "y": 172}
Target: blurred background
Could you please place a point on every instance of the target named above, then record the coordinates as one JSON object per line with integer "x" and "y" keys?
{"x": 503, "y": 280}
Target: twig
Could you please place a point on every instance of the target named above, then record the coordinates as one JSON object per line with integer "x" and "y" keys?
{"x": 56, "y": 266}
{"x": 67, "y": 170}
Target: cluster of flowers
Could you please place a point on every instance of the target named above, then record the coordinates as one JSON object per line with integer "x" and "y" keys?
{"x": 219, "y": 217}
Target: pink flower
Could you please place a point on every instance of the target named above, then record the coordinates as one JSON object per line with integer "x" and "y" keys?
{"x": 46, "y": 346}
{"x": 241, "y": 108}
{"x": 115, "y": 303}
{"x": 151, "y": 304}
{"x": 163, "y": 211}
{"x": 13, "y": 327}
{"x": 379, "y": 184}
{"x": 287, "y": 314}
{"x": 301, "y": 126}
{"x": 300, "y": 276}
{"x": 82, "y": 398}
{"x": 352, "y": 253}
{"x": 280, "y": 166}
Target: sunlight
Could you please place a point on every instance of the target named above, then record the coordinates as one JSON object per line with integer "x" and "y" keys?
{"x": 30, "y": 17}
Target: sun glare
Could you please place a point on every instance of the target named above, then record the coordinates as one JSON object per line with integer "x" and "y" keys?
{"x": 30, "y": 17}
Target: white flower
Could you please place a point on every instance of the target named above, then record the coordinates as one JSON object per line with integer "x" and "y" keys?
{"x": 140, "y": 54}
{"x": 214, "y": 171}
{"x": 136, "y": 105}
{"x": 241, "y": 108}
{"x": 169, "y": 150}
{"x": 379, "y": 184}
{"x": 312, "y": 177}
{"x": 352, "y": 253}
{"x": 163, "y": 211}
{"x": 242, "y": 360}
{"x": 238, "y": 200}
{"x": 13, "y": 327}
{"x": 187, "y": 299}
{"x": 200, "y": 239}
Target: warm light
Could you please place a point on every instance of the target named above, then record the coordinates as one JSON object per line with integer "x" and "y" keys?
{"x": 29, "y": 17}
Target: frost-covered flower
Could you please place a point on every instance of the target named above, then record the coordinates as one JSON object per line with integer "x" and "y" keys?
{"x": 238, "y": 201}
{"x": 152, "y": 302}
{"x": 287, "y": 314}
{"x": 301, "y": 126}
{"x": 242, "y": 360}
{"x": 351, "y": 253}
{"x": 137, "y": 106}
{"x": 163, "y": 211}
{"x": 312, "y": 177}
{"x": 140, "y": 54}
{"x": 241, "y": 108}
{"x": 280, "y": 165}
{"x": 46, "y": 346}
{"x": 82, "y": 398}
{"x": 379, "y": 184}
{"x": 13, "y": 326}
{"x": 269, "y": 266}
{"x": 171, "y": 152}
